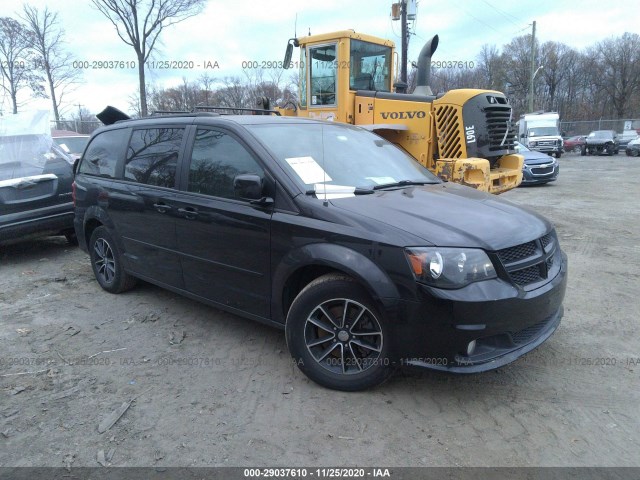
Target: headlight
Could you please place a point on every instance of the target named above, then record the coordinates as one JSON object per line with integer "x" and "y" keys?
{"x": 449, "y": 267}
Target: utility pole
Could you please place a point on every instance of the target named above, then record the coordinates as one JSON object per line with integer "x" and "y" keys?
{"x": 405, "y": 15}
{"x": 533, "y": 65}
{"x": 405, "y": 42}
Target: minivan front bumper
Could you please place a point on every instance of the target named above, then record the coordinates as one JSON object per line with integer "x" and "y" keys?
{"x": 503, "y": 320}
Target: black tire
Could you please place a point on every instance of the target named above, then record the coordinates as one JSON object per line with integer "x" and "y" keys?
{"x": 583, "y": 151}
{"x": 327, "y": 347}
{"x": 558, "y": 154}
{"x": 106, "y": 262}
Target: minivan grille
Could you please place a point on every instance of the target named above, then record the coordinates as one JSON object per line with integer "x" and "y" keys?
{"x": 527, "y": 275}
{"x": 449, "y": 131}
{"x": 518, "y": 252}
{"x": 530, "y": 262}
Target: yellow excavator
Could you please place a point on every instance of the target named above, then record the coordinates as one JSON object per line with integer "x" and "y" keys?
{"x": 465, "y": 136}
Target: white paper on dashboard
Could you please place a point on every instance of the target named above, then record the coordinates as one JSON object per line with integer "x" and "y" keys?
{"x": 308, "y": 170}
{"x": 331, "y": 192}
{"x": 381, "y": 180}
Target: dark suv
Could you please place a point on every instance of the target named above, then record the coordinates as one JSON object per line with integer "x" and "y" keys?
{"x": 35, "y": 188}
{"x": 601, "y": 142}
{"x": 365, "y": 258}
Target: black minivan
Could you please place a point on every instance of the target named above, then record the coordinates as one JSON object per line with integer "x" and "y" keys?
{"x": 366, "y": 259}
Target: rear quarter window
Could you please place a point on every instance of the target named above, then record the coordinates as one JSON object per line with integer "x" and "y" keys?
{"x": 152, "y": 156}
{"x": 103, "y": 153}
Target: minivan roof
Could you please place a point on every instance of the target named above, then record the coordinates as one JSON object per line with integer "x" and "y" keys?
{"x": 205, "y": 118}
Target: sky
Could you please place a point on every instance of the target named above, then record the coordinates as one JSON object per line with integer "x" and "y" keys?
{"x": 227, "y": 33}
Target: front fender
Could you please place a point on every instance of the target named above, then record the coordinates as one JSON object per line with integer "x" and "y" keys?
{"x": 339, "y": 258}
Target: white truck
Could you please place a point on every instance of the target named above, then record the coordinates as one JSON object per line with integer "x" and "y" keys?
{"x": 540, "y": 131}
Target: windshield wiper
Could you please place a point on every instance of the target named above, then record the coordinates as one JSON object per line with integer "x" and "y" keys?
{"x": 403, "y": 183}
{"x": 356, "y": 191}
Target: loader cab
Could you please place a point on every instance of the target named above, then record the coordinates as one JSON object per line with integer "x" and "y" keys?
{"x": 334, "y": 66}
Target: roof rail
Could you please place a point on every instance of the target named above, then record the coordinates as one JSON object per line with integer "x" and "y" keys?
{"x": 257, "y": 111}
{"x": 183, "y": 113}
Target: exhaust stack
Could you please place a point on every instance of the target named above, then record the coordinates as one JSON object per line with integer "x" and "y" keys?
{"x": 424, "y": 67}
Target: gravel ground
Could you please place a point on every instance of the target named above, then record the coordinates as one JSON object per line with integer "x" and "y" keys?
{"x": 205, "y": 388}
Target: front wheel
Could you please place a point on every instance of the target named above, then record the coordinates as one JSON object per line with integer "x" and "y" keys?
{"x": 337, "y": 336}
{"x": 558, "y": 154}
{"x": 106, "y": 262}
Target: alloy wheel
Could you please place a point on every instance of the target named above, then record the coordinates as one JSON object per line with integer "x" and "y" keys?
{"x": 343, "y": 336}
{"x": 105, "y": 262}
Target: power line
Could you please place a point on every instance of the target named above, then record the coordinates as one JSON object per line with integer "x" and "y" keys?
{"x": 505, "y": 14}
{"x": 522, "y": 30}
{"x": 482, "y": 22}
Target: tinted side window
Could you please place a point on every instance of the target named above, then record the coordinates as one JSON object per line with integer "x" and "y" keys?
{"x": 152, "y": 156}
{"x": 216, "y": 159}
{"x": 103, "y": 153}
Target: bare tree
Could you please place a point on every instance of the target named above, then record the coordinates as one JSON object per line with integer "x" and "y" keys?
{"x": 491, "y": 68}
{"x": 617, "y": 72}
{"x": 139, "y": 24}
{"x": 207, "y": 82}
{"x": 48, "y": 40}
{"x": 16, "y": 60}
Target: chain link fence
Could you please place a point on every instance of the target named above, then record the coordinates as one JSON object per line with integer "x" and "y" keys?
{"x": 85, "y": 127}
{"x": 584, "y": 127}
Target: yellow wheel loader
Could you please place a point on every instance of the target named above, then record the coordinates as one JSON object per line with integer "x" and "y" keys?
{"x": 465, "y": 136}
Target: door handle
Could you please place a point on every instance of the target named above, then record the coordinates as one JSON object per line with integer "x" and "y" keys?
{"x": 189, "y": 213}
{"x": 162, "y": 207}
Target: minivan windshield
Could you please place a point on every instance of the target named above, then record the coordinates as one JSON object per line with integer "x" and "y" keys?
{"x": 339, "y": 155}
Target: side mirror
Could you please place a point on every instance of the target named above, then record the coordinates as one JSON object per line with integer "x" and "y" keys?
{"x": 248, "y": 186}
{"x": 287, "y": 56}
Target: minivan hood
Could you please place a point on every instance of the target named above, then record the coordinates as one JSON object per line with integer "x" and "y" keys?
{"x": 450, "y": 215}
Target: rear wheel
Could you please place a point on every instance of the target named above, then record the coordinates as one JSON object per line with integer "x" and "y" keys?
{"x": 106, "y": 262}
{"x": 337, "y": 336}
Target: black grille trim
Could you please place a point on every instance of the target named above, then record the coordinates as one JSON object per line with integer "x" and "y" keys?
{"x": 527, "y": 275}
{"x": 546, "y": 240}
{"x": 519, "y": 252}
{"x": 529, "y": 263}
